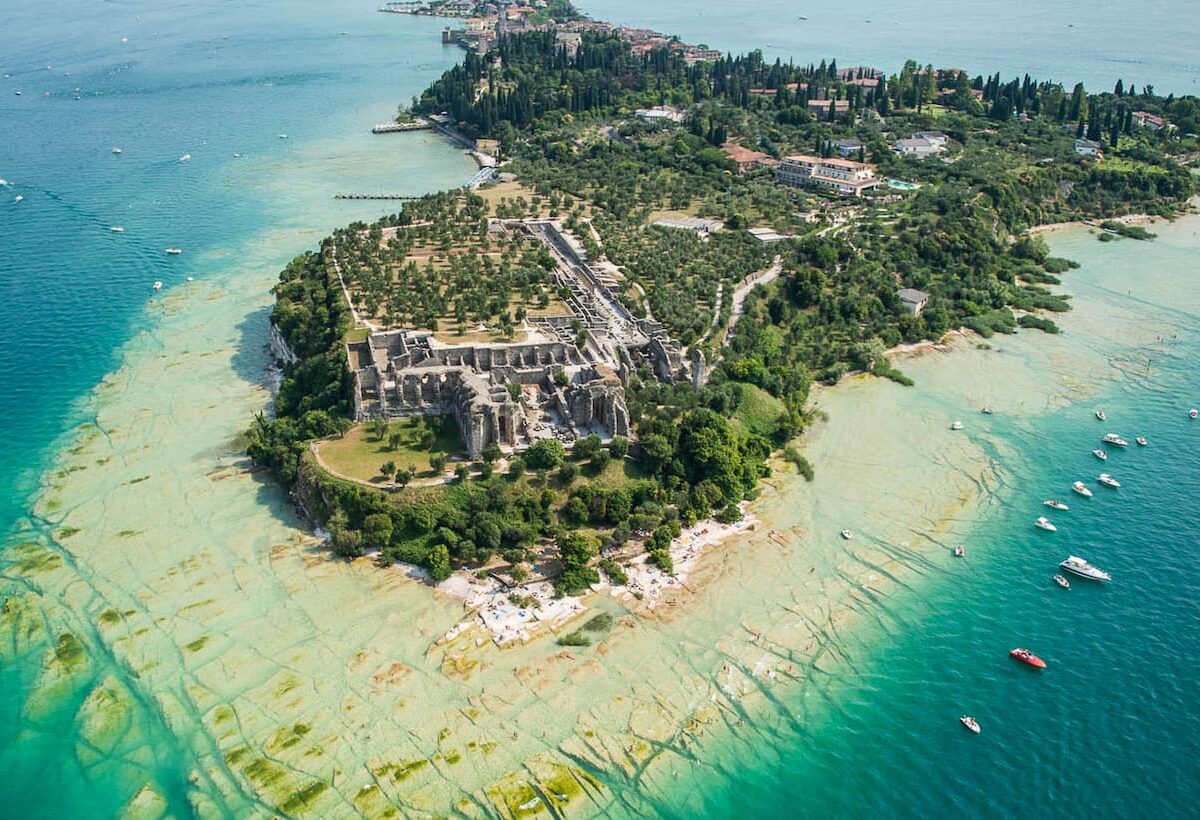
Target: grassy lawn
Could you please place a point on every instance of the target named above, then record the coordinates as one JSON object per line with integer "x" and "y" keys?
{"x": 359, "y": 453}
{"x": 759, "y": 411}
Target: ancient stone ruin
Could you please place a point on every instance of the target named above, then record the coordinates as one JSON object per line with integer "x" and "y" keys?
{"x": 513, "y": 394}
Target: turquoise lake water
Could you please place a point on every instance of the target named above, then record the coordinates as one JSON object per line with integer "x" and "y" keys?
{"x": 1108, "y": 730}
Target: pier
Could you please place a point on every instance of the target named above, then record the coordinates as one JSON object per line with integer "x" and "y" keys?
{"x": 397, "y": 127}
{"x": 376, "y": 196}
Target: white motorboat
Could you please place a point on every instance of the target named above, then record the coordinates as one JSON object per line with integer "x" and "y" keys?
{"x": 1100, "y": 415}
{"x": 958, "y": 425}
{"x": 116, "y": 150}
{"x": 1082, "y": 489}
{"x": 1113, "y": 438}
{"x": 1141, "y": 440}
{"x": 1108, "y": 481}
{"x": 1193, "y": 413}
{"x": 283, "y": 136}
{"x": 987, "y": 411}
{"x": 1080, "y": 567}
{"x": 1062, "y": 582}
{"x": 971, "y": 723}
{"x": 1055, "y": 504}
{"x": 959, "y": 552}
{"x": 18, "y": 198}
{"x": 847, "y": 534}
{"x": 3, "y": 182}
{"x": 158, "y": 284}
{"x": 185, "y": 157}
{"x": 174, "y": 251}
{"x": 1100, "y": 454}
{"x": 117, "y": 229}
{"x": 1044, "y": 523}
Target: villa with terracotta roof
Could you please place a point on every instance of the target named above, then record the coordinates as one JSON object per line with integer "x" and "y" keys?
{"x": 844, "y": 176}
{"x": 1148, "y": 120}
{"x": 746, "y": 159}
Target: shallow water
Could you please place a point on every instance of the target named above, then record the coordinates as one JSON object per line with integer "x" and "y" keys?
{"x": 174, "y": 633}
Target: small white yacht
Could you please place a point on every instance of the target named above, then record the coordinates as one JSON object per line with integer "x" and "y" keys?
{"x": 1100, "y": 454}
{"x": 1113, "y": 438}
{"x": 959, "y": 552}
{"x": 1082, "y": 489}
{"x": 283, "y": 136}
{"x": 174, "y": 251}
{"x": 1055, "y": 504}
{"x": 1062, "y": 582}
{"x": 987, "y": 411}
{"x": 117, "y": 229}
{"x": 116, "y": 150}
{"x": 958, "y": 425}
{"x": 1080, "y": 567}
{"x": 185, "y": 157}
{"x": 1141, "y": 440}
{"x": 1044, "y": 523}
{"x": 1108, "y": 481}
{"x": 3, "y": 182}
{"x": 1193, "y": 413}
{"x": 18, "y": 198}
{"x": 971, "y": 723}
{"x": 1101, "y": 415}
{"x": 158, "y": 284}
{"x": 847, "y": 534}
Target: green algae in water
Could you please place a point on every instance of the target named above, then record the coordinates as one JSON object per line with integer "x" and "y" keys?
{"x": 600, "y": 623}
{"x": 400, "y": 771}
{"x": 129, "y": 533}
{"x": 235, "y": 755}
{"x": 109, "y": 617}
{"x": 304, "y": 797}
{"x": 197, "y": 645}
{"x": 67, "y": 532}
{"x": 33, "y": 559}
{"x": 69, "y": 652}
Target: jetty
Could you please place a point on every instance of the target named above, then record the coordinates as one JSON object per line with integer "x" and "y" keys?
{"x": 418, "y": 124}
{"x": 376, "y": 196}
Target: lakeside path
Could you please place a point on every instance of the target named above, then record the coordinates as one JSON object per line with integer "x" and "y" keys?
{"x": 192, "y": 580}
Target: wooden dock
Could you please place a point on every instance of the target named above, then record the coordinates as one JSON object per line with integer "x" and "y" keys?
{"x": 376, "y": 196}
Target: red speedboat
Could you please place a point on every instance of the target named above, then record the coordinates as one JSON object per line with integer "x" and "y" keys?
{"x": 1027, "y": 657}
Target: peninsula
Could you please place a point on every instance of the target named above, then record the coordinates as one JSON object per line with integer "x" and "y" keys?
{"x": 549, "y": 378}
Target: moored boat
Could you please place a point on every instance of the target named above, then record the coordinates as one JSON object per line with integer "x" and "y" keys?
{"x": 958, "y": 425}
{"x": 1141, "y": 440}
{"x": 1055, "y": 504}
{"x": 1062, "y": 582}
{"x": 1025, "y": 656}
{"x": 971, "y": 723}
{"x": 1100, "y": 454}
{"x": 158, "y": 284}
{"x": 1108, "y": 481}
{"x": 1082, "y": 489}
{"x": 116, "y": 150}
{"x": 117, "y": 229}
{"x": 959, "y": 552}
{"x": 1193, "y": 413}
{"x": 174, "y": 251}
{"x": 1077, "y": 566}
{"x": 1113, "y": 438}
{"x": 1044, "y": 523}
{"x": 847, "y": 534}
{"x": 1101, "y": 415}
